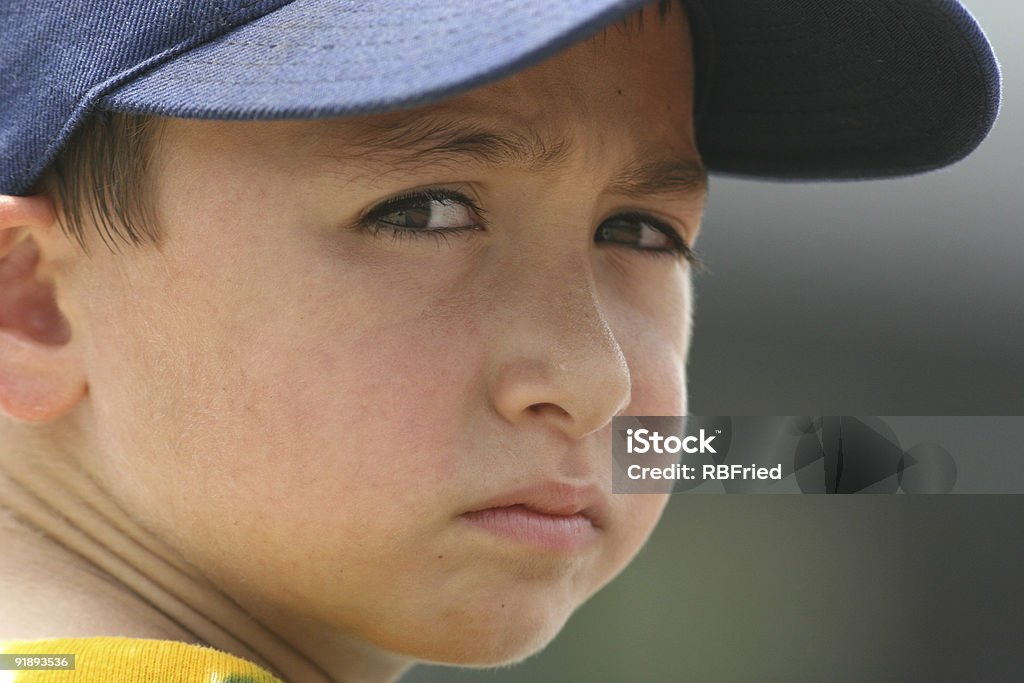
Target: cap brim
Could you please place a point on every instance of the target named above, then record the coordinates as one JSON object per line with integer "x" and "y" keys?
{"x": 794, "y": 89}
{"x": 818, "y": 89}
{"x": 321, "y": 58}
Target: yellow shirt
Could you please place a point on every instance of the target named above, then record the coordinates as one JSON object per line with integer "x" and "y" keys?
{"x": 131, "y": 660}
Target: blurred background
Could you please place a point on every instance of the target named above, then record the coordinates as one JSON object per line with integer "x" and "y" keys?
{"x": 901, "y": 297}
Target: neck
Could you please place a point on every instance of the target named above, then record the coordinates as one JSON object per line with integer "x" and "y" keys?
{"x": 121, "y": 580}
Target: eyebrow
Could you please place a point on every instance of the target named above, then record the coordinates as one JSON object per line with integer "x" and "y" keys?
{"x": 422, "y": 141}
{"x": 662, "y": 176}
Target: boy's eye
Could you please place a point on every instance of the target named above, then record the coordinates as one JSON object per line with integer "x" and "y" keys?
{"x": 643, "y": 233}
{"x": 427, "y": 211}
{"x": 440, "y": 212}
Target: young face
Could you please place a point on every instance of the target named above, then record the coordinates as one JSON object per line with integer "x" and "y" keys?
{"x": 365, "y": 385}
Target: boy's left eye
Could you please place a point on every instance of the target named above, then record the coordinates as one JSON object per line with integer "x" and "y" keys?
{"x": 643, "y": 233}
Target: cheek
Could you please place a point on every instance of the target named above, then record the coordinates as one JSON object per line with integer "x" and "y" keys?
{"x": 292, "y": 417}
{"x": 656, "y": 344}
{"x": 659, "y": 385}
{"x": 362, "y": 411}
{"x": 640, "y": 514}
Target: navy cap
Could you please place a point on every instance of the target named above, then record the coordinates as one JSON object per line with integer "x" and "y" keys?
{"x": 791, "y": 89}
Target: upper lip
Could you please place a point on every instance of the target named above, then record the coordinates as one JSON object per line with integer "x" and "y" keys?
{"x": 555, "y": 498}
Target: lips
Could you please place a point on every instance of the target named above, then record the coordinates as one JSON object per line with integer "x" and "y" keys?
{"x": 553, "y": 517}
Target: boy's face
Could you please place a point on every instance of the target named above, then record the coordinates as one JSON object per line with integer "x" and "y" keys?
{"x": 313, "y": 389}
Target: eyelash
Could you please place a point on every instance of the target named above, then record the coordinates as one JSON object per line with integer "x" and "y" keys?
{"x": 680, "y": 249}
{"x": 372, "y": 222}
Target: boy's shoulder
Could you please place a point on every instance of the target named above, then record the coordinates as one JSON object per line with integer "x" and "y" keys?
{"x": 123, "y": 660}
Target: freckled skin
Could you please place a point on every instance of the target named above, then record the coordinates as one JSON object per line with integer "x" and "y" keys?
{"x": 302, "y": 410}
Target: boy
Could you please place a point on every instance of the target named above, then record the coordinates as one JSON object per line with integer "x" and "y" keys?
{"x": 346, "y": 405}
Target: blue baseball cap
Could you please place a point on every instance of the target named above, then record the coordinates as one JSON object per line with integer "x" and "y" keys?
{"x": 786, "y": 89}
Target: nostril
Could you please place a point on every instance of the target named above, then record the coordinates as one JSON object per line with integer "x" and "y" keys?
{"x": 547, "y": 408}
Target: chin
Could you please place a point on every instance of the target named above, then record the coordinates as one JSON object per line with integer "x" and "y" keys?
{"x": 503, "y": 645}
{"x": 497, "y": 636}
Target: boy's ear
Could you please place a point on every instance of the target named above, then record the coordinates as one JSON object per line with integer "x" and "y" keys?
{"x": 41, "y": 376}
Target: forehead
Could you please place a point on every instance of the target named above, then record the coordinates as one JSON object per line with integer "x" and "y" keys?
{"x": 635, "y": 64}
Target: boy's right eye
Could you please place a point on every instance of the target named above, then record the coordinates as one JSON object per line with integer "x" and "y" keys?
{"x": 428, "y": 212}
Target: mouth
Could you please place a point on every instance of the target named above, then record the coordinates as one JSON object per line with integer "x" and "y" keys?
{"x": 553, "y": 517}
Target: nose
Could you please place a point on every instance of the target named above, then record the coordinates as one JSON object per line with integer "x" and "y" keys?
{"x": 556, "y": 361}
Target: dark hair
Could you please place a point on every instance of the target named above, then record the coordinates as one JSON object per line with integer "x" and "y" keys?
{"x": 636, "y": 19}
{"x": 101, "y": 177}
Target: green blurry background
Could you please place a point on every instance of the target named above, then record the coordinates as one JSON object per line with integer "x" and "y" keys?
{"x": 883, "y": 298}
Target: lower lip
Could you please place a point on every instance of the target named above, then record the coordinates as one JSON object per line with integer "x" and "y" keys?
{"x": 553, "y": 533}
